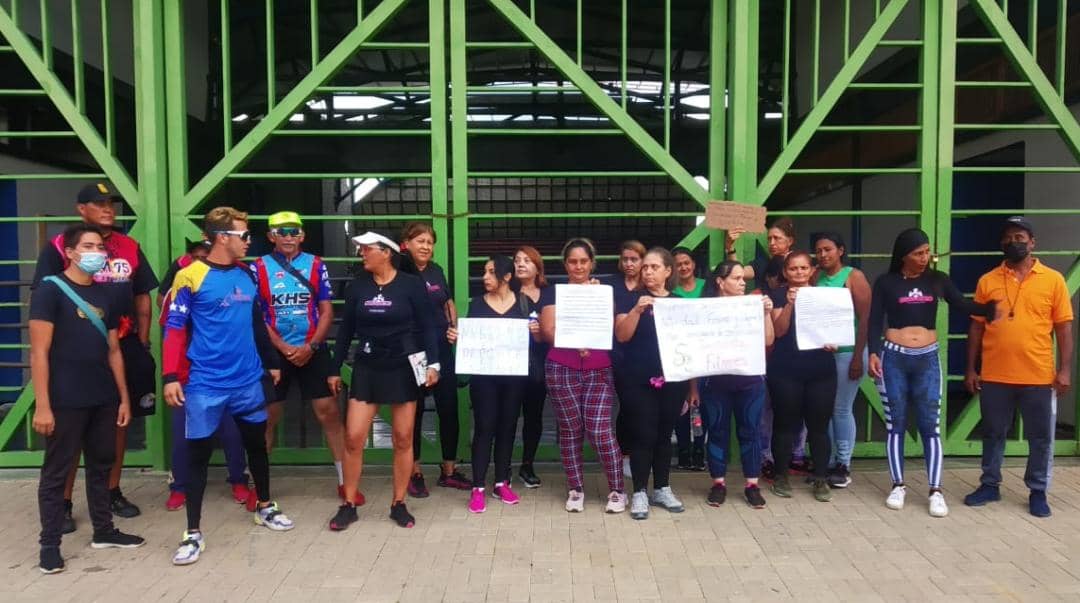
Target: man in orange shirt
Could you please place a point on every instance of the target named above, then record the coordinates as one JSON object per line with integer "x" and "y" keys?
{"x": 1018, "y": 369}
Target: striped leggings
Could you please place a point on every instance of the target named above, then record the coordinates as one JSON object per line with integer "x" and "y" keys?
{"x": 582, "y": 401}
{"x": 911, "y": 378}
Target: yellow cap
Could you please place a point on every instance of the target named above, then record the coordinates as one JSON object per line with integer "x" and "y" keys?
{"x": 285, "y": 217}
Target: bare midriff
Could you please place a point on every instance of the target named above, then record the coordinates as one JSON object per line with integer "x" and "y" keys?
{"x": 911, "y": 337}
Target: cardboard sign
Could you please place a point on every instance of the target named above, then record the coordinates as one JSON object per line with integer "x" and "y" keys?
{"x": 726, "y": 215}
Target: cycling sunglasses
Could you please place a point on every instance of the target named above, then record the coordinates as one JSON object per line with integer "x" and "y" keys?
{"x": 245, "y": 235}
{"x": 288, "y": 231}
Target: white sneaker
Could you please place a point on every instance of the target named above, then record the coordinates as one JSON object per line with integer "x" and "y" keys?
{"x": 190, "y": 548}
{"x": 575, "y": 502}
{"x": 626, "y": 467}
{"x": 938, "y": 508}
{"x": 273, "y": 518}
{"x": 616, "y": 502}
{"x": 639, "y": 505}
{"x": 895, "y": 501}
{"x": 665, "y": 498}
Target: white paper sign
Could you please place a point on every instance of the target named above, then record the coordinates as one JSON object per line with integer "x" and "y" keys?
{"x": 418, "y": 362}
{"x": 584, "y": 317}
{"x": 710, "y": 336}
{"x": 493, "y": 346}
{"x": 824, "y": 316}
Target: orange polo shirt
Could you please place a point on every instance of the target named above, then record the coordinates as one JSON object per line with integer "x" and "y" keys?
{"x": 1020, "y": 350}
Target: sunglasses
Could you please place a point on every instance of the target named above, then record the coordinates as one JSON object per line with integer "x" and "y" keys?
{"x": 245, "y": 235}
{"x": 289, "y": 231}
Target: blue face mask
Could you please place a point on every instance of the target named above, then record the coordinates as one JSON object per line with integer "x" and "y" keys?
{"x": 91, "y": 262}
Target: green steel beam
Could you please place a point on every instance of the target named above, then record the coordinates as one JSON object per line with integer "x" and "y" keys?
{"x": 176, "y": 128}
{"x": 438, "y": 131}
{"x": 569, "y": 67}
{"x": 333, "y": 62}
{"x": 65, "y": 105}
{"x": 718, "y": 62}
{"x": 828, "y": 99}
{"x": 742, "y": 112}
{"x": 15, "y": 417}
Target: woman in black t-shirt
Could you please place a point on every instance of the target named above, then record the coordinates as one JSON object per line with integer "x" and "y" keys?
{"x": 801, "y": 383}
{"x": 496, "y": 399}
{"x": 649, "y": 403}
{"x": 531, "y": 284}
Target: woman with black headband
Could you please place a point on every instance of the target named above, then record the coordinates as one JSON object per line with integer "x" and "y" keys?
{"x": 906, "y": 364}
{"x": 388, "y": 312}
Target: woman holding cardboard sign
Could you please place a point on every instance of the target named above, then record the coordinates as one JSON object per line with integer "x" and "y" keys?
{"x": 581, "y": 391}
{"x": 496, "y": 399}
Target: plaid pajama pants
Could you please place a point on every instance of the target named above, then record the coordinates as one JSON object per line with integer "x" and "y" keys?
{"x": 582, "y": 400}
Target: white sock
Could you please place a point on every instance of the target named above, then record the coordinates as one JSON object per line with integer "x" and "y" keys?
{"x": 499, "y": 484}
{"x": 340, "y": 475}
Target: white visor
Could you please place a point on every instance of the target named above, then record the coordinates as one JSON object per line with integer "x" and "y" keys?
{"x": 374, "y": 238}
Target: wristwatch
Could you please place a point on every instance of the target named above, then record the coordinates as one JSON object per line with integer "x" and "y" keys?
{"x": 314, "y": 346}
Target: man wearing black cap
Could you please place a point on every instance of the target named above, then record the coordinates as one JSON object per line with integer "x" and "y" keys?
{"x": 132, "y": 279}
{"x": 1018, "y": 370}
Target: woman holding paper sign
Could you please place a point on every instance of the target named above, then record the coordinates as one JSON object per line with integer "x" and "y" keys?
{"x": 722, "y": 396}
{"x": 801, "y": 383}
{"x": 581, "y": 391}
{"x": 651, "y": 404}
{"x": 529, "y": 270}
{"x": 496, "y": 399}
{"x": 906, "y": 364}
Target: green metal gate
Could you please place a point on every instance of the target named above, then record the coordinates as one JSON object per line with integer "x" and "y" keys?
{"x": 750, "y": 158}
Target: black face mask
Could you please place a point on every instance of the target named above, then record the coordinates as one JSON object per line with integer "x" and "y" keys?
{"x": 1015, "y": 252}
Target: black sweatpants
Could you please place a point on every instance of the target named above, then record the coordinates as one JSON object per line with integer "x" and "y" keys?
{"x": 93, "y": 430}
{"x": 445, "y": 393}
{"x": 650, "y": 415}
{"x": 253, "y": 436}
{"x": 532, "y": 426}
{"x": 496, "y": 404}
{"x": 797, "y": 400}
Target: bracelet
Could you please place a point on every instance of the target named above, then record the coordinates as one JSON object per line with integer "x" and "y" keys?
{"x": 730, "y": 251}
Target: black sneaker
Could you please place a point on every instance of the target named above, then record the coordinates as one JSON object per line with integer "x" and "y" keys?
{"x": 754, "y": 497}
{"x": 68, "y": 525}
{"x": 839, "y": 476}
{"x": 346, "y": 514}
{"x": 528, "y": 476}
{"x": 401, "y": 515}
{"x": 51, "y": 561}
{"x": 116, "y": 539}
{"x": 800, "y": 467}
{"x": 717, "y": 495}
{"x": 417, "y": 488}
{"x": 698, "y": 462}
{"x": 768, "y": 470}
{"x": 684, "y": 462}
{"x": 122, "y": 507}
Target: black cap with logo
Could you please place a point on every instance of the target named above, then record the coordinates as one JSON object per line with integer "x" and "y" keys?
{"x": 1018, "y": 222}
{"x": 99, "y": 191}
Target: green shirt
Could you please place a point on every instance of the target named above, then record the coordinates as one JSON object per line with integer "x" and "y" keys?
{"x": 699, "y": 288}
{"x": 838, "y": 280}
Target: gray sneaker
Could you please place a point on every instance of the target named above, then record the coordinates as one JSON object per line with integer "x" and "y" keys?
{"x": 665, "y": 498}
{"x": 639, "y": 505}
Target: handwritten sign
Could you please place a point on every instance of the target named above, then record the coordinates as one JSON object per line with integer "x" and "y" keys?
{"x": 584, "y": 317}
{"x": 710, "y": 336}
{"x": 824, "y": 316}
{"x": 493, "y": 346}
{"x": 726, "y": 215}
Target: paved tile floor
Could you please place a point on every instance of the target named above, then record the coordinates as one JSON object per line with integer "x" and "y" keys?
{"x": 851, "y": 549}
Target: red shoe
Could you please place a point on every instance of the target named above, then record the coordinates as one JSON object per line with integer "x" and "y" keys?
{"x": 252, "y": 500}
{"x": 176, "y": 501}
{"x": 357, "y": 502}
{"x": 240, "y": 493}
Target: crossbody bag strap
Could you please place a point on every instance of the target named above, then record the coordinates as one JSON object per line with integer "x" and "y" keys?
{"x": 81, "y": 304}
{"x": 288, "y": 267}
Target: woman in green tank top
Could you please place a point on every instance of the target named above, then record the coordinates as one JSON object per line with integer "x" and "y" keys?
{"x": 850, "y": 360}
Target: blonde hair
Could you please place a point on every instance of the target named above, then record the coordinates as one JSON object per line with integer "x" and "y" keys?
{"x": 221, "y": 218}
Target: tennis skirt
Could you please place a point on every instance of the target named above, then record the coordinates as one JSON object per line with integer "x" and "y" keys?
{"x": 390, "y": 383}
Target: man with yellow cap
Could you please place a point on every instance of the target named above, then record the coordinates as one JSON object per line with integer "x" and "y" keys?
{"x": 295, "y": 291}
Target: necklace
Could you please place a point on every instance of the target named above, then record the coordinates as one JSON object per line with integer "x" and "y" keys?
{"x": 1012, "y": 302}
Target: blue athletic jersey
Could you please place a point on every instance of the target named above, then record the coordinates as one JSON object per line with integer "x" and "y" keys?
{"x": 288, "y": 306}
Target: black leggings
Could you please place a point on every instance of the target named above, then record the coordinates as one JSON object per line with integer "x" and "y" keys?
{"x": 796, "y": 400}
{"x": 446, "y": 406}
{"x": 253, "y": 436}
{"x": 650, "y": 415}
{"x": 532, "y": 410}
{"x": 496, "y": 403}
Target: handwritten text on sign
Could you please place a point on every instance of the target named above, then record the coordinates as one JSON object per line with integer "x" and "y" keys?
{"x": 493, "y": 346}
{"x": 710, "y": 336}
{"x": 584, "y": 317}
{"x": 727, "y": 215}
{"x": 824, "y": 316}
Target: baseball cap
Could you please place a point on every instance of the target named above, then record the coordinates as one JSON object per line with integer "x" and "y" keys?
{"x": 282, "y": 218}
{"x": 1018, "y": 222}
{"x": 99, "y": 191}
{"x": 374, "y": 238}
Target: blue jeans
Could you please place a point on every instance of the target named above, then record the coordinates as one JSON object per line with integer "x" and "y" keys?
{"x": 842, "y": 427}
{"x": 911, "y": 378}
{"x": 718, "y": 404}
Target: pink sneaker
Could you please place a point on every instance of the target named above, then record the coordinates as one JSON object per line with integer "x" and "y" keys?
{"x": 503, "y": 492}
{"x": 476, "y": 501}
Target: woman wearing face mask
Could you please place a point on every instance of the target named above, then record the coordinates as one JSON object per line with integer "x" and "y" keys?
{"x": 496, "y": 400}
{"x": 649, "y": 403}
{"x": 580, "y": 386}
{"x": 850, "y": 360}
{"x": 801, "y": 383}
{"x": 529, "y": 271}
{"x": 418, "y": 239}
{"x": 740, "y": 395}
{"x": 906, "y": 363}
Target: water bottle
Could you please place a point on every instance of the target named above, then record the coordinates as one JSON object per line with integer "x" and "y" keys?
{"x": 696, "y": 428}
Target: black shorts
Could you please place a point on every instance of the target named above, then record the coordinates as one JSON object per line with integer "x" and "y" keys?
{"x": 392, "y": 384}
{"x": 311, "y": 377}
